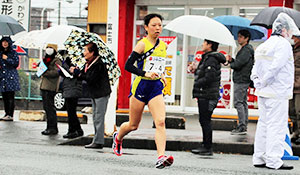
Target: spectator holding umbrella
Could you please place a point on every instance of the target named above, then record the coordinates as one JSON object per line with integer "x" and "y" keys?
{"x": 273, "y": 77}
{"x": 206, "y": 90}
{"x": 9, "y": 77}
{"x": 96, "y": 75}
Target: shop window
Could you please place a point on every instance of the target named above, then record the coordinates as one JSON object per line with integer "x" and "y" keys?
{"x": 98, "y": 28}
{"x": 167, "y": 12}
{"x": 211, "y": 12}
{"x": 250, "y": 12}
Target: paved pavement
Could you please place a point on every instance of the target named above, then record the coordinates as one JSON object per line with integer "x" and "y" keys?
{"x": 28, "y": 132}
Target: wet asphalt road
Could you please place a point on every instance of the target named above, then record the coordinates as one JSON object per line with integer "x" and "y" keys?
{"x": 37, "y": 159}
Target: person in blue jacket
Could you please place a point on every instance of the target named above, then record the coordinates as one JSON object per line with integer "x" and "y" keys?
{"x": 9, "y": 77}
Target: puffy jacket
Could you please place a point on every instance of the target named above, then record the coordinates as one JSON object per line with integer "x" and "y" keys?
{"x": 273, "y": 70}
{"x": 208, "y": 76}
{"x": 51, "y": 76}
{"x": 97, "y": 79}
{"x": 9, "y": 77}
{"x": 243, "y": 64}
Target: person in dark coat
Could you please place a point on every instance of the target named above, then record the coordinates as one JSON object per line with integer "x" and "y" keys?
{"x": 49, "y": 87}
{"x": 72, "y": 90}
{"x": 9, "y": 77}
{"x": 96, "y": 76}
{"x": 294, "y": 104}
{"x": 242, "y": 66}
{"x": 206, "y": 90}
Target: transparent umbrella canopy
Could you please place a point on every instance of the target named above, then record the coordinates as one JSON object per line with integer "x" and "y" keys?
{"x": 202, "y": 27}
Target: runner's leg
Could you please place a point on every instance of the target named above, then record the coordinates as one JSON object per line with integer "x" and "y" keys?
{"x": 157, "y": 108}
{"x": 136, "y": 109}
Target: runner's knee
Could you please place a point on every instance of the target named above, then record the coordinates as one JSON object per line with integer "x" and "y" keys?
{"x": 160, "y": 123}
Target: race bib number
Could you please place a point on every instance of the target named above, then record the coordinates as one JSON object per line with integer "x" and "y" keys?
{"x": 155, "y": 64}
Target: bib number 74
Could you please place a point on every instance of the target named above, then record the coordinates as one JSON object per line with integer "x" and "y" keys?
{"x": 155, "y": 64}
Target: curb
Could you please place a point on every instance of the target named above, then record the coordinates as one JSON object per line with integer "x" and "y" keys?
{"x": 35, "y": 115}
{"x": 232, "y": 148}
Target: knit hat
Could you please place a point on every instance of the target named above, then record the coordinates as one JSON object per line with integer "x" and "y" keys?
{"x": 54, "y": 46}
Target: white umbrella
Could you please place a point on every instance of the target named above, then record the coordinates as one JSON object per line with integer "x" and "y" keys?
{"x": 40, "y": 38}
{"x": 28, "y": 39}
{"x": 202, "y": 27}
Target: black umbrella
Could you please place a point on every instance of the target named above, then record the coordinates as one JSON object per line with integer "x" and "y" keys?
{"x": 267, "y": 16}
{"x": 9, "y": 26}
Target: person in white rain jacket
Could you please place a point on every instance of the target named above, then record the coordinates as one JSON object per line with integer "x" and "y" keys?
{"x": 273, "y": 77}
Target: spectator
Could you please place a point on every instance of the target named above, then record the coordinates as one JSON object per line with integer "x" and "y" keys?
{"x": 49, "y": 87}
{"x": 206, "y": 90}
{"x": 96, "y": 76}
{"x": 273, "y": 77}
{"x": 72, "y": 90}
{"x": 294, "y": 105}
{"x": 242, "y": 67}
{"x": 9, "y": 77}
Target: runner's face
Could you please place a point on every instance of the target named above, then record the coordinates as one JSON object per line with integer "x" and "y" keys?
{"x": 87, "y": 54}
{"x": 154, "y": 27}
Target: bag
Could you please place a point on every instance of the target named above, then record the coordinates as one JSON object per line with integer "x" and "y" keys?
{"x": 149, "y": 52}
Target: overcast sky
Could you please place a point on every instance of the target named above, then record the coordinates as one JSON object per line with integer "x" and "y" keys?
{"x": 67, "y": 9}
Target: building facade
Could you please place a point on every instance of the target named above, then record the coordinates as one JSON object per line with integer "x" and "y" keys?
{"x": 130, "y": 30}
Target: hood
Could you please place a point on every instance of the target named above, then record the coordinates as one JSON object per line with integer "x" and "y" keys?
{"x": 219, "y": 56}
{"x": 8, "y": 39}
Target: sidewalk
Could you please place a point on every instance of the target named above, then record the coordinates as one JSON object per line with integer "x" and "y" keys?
{"x": 177, "y": 139}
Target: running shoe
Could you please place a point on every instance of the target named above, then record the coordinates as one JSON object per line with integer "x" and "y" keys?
{"x": 117, "y": 145}
{"x": 164, "y": 161}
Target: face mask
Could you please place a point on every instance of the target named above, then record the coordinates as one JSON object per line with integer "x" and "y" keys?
{"x": 49, "y": 51}
{"x": 291, "y": 41}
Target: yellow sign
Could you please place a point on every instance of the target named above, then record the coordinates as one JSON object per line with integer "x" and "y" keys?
{"x": 33, "y": 63}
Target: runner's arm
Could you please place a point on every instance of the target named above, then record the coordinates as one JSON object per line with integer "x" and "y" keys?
{"x": 137, "y": 51}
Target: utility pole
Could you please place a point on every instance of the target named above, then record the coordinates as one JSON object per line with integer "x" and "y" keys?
{"x": 59, "y": 7}
{"x": 80, "y": 9}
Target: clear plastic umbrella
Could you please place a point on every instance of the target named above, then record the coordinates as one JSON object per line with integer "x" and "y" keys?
{"x": 202, "y": 27}
{"x": 40, "y": 38}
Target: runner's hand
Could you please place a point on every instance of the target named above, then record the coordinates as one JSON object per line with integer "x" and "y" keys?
{"x": 151, "y": 75}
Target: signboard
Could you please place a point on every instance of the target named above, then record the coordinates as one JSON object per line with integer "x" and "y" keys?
{"x": 20, "y": 50}
{"x": 33, "y": 63}
{"x": 224, "y": 101}
{"x": 225, "y": 74}
{"x": 18, "y": 9}
{"x": 170, "y": 68}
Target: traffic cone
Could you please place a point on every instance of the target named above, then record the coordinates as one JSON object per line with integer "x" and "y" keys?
{"x": 288, "y": 152}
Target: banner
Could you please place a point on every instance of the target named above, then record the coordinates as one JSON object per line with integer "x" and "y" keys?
{"x": 170, "y": 68}
{"x": 18, "y": 9}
